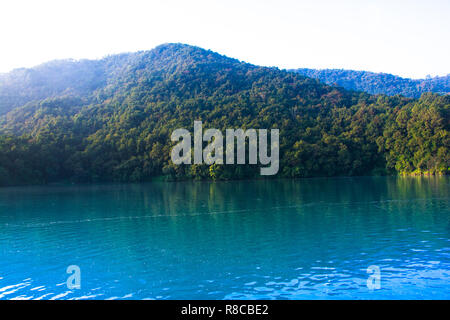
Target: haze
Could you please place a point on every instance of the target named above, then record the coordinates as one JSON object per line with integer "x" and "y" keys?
{"x": 406, "y": 38}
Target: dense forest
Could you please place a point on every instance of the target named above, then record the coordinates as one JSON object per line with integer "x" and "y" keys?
{"x": 111, "y": 120}
{"x": 379, "y": 83}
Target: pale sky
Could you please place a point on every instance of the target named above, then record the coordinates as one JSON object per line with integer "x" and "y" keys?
{"x": 406, "y": 38}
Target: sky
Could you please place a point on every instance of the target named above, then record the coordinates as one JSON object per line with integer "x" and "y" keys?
{"x": 406, "y": 38}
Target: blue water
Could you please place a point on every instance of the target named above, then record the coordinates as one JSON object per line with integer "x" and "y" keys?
{"x": 302, "y": 239}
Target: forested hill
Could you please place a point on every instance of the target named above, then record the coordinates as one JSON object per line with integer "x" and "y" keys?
{"x": 111, "y": 120}
{"x": 378, "y": 83}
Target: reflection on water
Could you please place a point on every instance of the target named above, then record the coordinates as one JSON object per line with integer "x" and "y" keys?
{"x": 287, "y": 239}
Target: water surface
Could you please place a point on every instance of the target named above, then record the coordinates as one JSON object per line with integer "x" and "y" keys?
{"x": 287, "y": 239}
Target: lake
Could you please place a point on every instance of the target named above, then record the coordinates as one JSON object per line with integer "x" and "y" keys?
{"x": 279, "y": 239}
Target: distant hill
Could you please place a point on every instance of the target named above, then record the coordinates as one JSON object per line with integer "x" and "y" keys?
{"x": 378, "y": 83}
{"x": 56, "y": 78}
{"x": 111, "y": 120}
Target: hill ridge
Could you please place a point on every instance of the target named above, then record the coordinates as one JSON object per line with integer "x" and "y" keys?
{"x": 115, "y": 122}
{"x": 378, "y": 83}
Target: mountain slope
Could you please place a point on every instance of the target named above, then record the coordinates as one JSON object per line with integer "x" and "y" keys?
{"x": 119, "y": 129}
{"x": 378, "y": 83}
{"x": 49, "y": 80}
{"x": 88, "y": 78}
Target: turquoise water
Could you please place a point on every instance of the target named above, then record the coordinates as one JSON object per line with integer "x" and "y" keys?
{"x": 302, "y": 239}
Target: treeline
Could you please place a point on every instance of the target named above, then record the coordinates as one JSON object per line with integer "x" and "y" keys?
{"x": 120, "y": 130}
{"x": 378, "y": 83}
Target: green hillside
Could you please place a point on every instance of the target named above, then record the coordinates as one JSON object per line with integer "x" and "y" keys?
{"x": 111, "y": 120}
{"x": 379, "y": 83}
